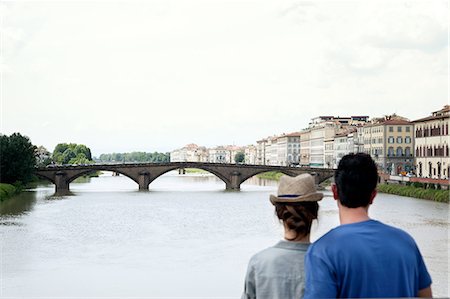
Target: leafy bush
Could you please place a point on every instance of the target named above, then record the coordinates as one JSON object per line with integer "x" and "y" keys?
{"x": 6, "y": 190}
{"x": 417, "y": 185}
{"x": 17, "y": 159}
{"x": 410, "y": 191}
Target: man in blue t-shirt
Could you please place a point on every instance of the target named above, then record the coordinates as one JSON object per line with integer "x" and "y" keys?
{"x": 363, "y": 257}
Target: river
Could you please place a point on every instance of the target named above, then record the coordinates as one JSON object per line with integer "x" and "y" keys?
{"x": 187, "y": 237}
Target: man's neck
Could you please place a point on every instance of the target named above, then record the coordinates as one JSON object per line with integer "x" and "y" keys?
{"x": 352, "y": 215}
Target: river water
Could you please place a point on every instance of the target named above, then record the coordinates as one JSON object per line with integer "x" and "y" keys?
{"x": 186, "y": 238}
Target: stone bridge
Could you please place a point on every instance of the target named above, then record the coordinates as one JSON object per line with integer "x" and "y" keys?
{"x": 233, "y": 175}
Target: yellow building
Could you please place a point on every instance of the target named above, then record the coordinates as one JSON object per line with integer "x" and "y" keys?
{"x": 389, "y": 141}
{"x": 431, "y": 145}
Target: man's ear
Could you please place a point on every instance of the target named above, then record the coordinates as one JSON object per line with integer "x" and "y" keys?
{"x": 372, "y": 196}
{"x": 335, "y": 191}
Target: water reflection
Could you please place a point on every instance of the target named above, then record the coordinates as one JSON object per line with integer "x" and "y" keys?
{"x": 19, "y": 204}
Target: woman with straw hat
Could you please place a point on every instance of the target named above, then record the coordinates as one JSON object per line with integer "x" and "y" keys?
{"x": 278, "y": 271}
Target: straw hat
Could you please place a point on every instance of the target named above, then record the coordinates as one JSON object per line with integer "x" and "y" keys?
{"x": 296, "y": 189}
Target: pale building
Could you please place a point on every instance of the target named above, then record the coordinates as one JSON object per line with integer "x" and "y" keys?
{"x": 318, "y": 134}
{"x": 189, "y": 153}
{"x": 329, "y": 152}
{"x": 432, "y": 145}
{"x": 389, "y": 141}
{"x": 321, "y": 138}
{"x": 344, "y": 143}
{"x": 358, "y": 138}
{"x": 305, "y": 147}
{"x": 224, "y": 153}
{"x": 288, "y": 149}
{"x": 271, "y": 151}
{"x": 261, "y": 152}
{"x": 250, "y": 152}
{"x": 219, "y": 154}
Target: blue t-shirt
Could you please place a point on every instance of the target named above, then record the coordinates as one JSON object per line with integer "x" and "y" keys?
{"x": 365, "y": 259}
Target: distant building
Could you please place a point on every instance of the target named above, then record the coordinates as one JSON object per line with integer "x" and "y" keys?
{"x": 288, "y": 149}
{"x": 218, "y": 154}
{"x": 224, "y": 153}
{"x": 189, "y": 153}
{"x": 305, "y": 147}
{"x": 344, "y": 143}
{"x": 261, "y": 152}
{"x": 432, "y": 145}
{"x": 250, "y": 152}
{"x": 271, "y": 151}
{"x": 322, "y": 130}
{"x": 389, "y": 140}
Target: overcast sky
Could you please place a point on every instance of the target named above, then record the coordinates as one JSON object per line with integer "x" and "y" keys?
{"x": 155, "y": 75}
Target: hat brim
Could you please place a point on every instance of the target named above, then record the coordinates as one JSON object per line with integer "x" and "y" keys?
{"x": 316, "y": 196}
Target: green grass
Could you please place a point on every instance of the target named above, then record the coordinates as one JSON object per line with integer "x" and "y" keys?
{"x": 6, "y": 191}
{"x": 271, "y": 175}
{"x": 410, "y": 191}
{"x": 195, "y": 170}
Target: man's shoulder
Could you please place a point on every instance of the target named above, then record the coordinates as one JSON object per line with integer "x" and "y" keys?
{"x": 345, "y": 234}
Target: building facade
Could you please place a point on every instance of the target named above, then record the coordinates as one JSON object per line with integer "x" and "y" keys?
{"x": 432, "y": 145}
{"x": 189, "y": 153}
{"x": 288, "y": 149}
{"x": 390, "y": 142}
{"x": 305, "y": 147}
{"x": 261, "y": 152}
{"x": 250, "y": 152}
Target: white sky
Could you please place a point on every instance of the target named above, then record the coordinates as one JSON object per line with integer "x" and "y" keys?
{"x": 156, "y": 75}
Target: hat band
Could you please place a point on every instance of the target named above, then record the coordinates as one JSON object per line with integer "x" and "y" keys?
{"x": 289, "y": 195}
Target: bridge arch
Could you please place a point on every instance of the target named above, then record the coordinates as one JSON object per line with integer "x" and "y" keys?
{"x": 83, "y": 172}
{"x": 48, "y": 178}
{"x": 249, "y": 176}
{"x": 207, "y": 169}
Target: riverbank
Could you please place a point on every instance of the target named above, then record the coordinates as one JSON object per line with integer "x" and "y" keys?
{"x": 270, "y": 175}
{"x": 196, "y": 170}
{"x": 7, "y": 190}
{"x": 416, "y": 192}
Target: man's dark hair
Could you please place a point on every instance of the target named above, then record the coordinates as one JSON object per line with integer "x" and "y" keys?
{"x": 356, "y": 177}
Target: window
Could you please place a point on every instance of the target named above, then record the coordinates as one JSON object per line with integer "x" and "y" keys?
{"x": 399, "y": 139}
{"x": 391, "y": 129}
{"x": 399, "y": 152}
{"x": 407, "y": 139}
{"x": 391, "y": 151}
{"x": 391, "y": 139}
{"x": 408, "y": 152}
{"x": 407, "y": 129}
{"x": 399, "y": 129}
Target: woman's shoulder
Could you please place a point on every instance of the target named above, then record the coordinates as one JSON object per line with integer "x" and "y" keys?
{"x": 280, "y": 249}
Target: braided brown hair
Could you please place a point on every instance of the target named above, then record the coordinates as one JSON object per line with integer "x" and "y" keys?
{"x": 297, "y": 217}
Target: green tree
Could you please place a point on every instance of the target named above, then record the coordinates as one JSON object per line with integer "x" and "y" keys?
{"x": 83, "y": 149}
{"x": 154, "y": 157}
{"x": 239, "y": 157}
{"x": 68, "y": 155}
{"x": 43, "y": 157}
{"x": 17, "y": 159}
{"x": 72, "y": 153}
